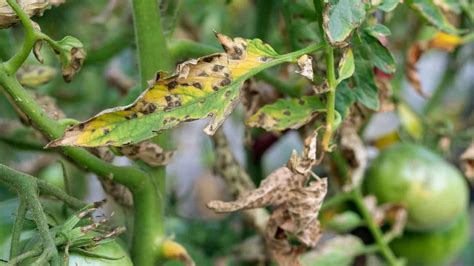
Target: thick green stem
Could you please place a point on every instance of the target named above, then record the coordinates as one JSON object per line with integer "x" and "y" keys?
{"x": 17, "y": 60}
{"x": 17, "y": 227}
{"x": 331, "y": 99}
{"x": 374, "y": 229}
{"x": 151, "y": 43}
{"x": 149, "y": 201}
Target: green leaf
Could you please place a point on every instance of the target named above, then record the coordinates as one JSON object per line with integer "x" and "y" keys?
{"x": 378, "y": 30}
{"x": 344, "y": 222}
{"x": 380, "y": 56}
{"x": 388, "y": 5}
{"x": 428, "y": 10}
{"x": 340, "y": 250}
{"x": 345, "y": 98}
{"x": 340, "y": 18}
{"x": 346, "y": 65}
{"x": 287, "y": 113}
{"x": 365, "y": 89}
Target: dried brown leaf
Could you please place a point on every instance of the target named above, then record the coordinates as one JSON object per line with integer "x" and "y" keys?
{"x": 303, "y": 164}
{"x": 414, "y": 54}
{"x": 49, "y": 106}
{"x": 297, "y": 203}
{"x": 147, "y": 151}
{"x": 31, "y": 7}
{"x": 355, "y": 153}
{"x": 305, "y": 65}
{"x": 467, "y": 160}
{"x": 389, "y": 213}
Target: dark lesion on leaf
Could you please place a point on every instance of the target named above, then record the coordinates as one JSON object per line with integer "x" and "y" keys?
{"x": 217, "y": 68}
{"x": 225, "y": 82}
{"x": 172, "y": 84}
{"x": 203, "y": 74}
{"x": 287, "y": 113}
{"x": 106, "y": 131}
{"x": 197, "y": 85}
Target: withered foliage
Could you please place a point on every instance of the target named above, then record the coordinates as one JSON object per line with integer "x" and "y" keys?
{"x": 297, "y": 201}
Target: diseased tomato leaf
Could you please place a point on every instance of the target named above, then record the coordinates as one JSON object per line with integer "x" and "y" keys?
{"x": 287, "y": 113}
{"x": 429, "y": 11}
{"x": 380, "y": 56}
{"x": 340, "y": 18}
{"x": 365, "y": 89}
{"x": 205, "y": 87}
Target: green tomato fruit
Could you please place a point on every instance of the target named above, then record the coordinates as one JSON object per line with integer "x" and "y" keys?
{"x": 433, "y": 248}
{"x": 432, "y": 190}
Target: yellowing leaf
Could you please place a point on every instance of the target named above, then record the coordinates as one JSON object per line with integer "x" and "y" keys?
{"x": 287, "y": 113}
{"x": 446, "y": 42}
{"x": 346, "y": 65}
{"x": 205, "y": 87}
{"x": 172, "y": 250}
{"x": 410, "y": 121}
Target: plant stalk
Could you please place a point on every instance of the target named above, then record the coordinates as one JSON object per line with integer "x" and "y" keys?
{"x": 153, "y": 55}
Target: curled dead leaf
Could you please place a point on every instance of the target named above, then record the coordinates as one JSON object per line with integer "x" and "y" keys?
{"x": 297, "y": 200}
{"x": 414, "y": 54}
{"x": 147, "y": 151}
{"x": 305, "y": 65}
{"x": 8, "y": 17}
{"x": 71, "y": 54}
{"x": 467, "y": 161}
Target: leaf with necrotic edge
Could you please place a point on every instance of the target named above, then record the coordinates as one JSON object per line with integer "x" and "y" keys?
{"x": 341, "y": 17}
{"x": 205, "y": 87}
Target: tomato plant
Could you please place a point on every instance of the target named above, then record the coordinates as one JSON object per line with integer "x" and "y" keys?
{"x": 309, "y": 92}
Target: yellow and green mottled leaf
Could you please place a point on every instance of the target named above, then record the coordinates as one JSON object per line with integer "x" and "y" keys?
{"x": 346, "y": 66}
{"x": 205, "y": 87}
{"x": 287, "y": 113}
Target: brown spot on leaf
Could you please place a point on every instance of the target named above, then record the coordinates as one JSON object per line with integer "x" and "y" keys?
{"x": 172, "y": 84}
{"x": 225, "y": 82}
{"x": 217, "y": 68}
{"x": 197, "y": 85}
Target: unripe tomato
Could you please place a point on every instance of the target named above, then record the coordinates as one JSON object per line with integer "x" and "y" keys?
{"x": 439, "y": 247}
{"x": 433, "y": 191}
